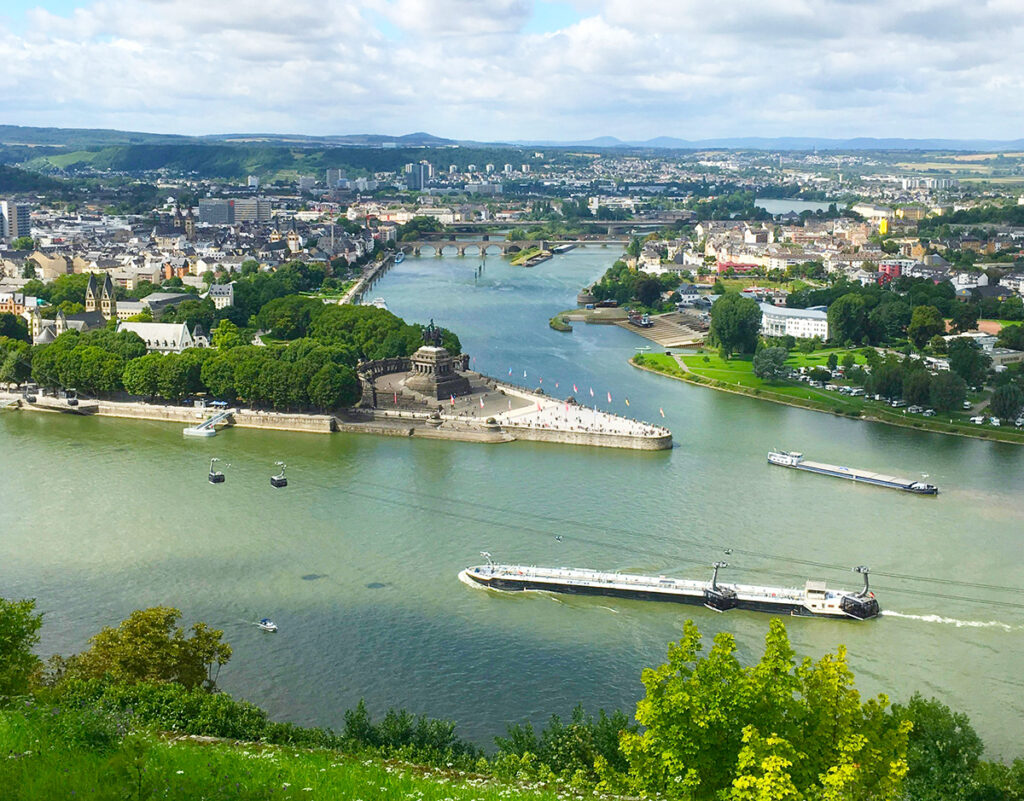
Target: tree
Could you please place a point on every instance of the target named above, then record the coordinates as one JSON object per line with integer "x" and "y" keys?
{"x": 633, "y": 248}
{"x": 142, "y": 376}
{"x": 332, "y": 386}
{"x": 150, "y": 646}
{"x": 917, "y": 387}
{"x": 648, "y": 291}
{"x": 948, "y": 391}
{"x": 1007, "y": 400}
{"x": 770, "y": 363}
{"x": 965, "y": 318}
{"x": 29, "y": 269}
{"x": 1011, "y": 336}
{"x": 777, "y": 729}
{"x": 846, "y": 318}
{"x": 943, "y": 751}
{"x": 227, "y": 335}
{"x": 735, "y": 323}
{"x": 13, "y": 326}
{"x": 849, "y": 360}
{"x": 925, "y": 322}
{"x": 19, "y": 633}
{"x": 968, "y": 360}
{"x": 22, "y": 243}
{"x": 1012, "y": 308}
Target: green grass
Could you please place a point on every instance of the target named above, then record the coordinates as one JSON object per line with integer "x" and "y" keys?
{"x": 39, "y": 767}
{"x": 737, "y": 375}
{"x": 559, "y": 323}
{"x": 524, "y": 255}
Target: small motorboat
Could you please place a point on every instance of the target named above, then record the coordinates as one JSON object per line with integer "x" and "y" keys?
{"x": 216, "y": 476}
{"x": 279, "y": 480}
{"x": 267, "y": 624}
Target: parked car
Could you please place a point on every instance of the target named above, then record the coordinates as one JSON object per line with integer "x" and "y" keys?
{"x": 929, "y": 413}
{"x": 994, "y": 420}
{"x": 967, "y": 404}
{"x": 898, "y": 404}
{"x": 978, "y": 420}
{"x": 1019, "y": 422}
{"x": 915, "y": 409}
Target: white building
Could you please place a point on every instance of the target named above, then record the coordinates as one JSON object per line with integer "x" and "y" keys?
{"x": 780, "y": 321}
{"x": 165, "y": 337}
{"x": 222, "y": 295}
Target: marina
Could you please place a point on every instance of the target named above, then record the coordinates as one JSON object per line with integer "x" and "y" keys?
{"x": 796, "y": 461}
{"x": 813, "y": 600}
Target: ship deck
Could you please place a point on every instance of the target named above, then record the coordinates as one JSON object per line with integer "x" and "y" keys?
{"x": 853, "y": 473}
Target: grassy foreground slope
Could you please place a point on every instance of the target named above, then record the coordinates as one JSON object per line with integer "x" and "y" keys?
{"x": 37, "y": 766}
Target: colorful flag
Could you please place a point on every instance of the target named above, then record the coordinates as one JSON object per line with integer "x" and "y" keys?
{"x": 396, "y": 399}
{"x": 556, "y": 385}
{"x": 662, "y": 411}
{"x": 481, "y": 403}
{"x": 453, "y": 400}
{"x": 541, "y": 380}
{"x": 510, "y": 406}
{"x": 574, "y": 388}
{"x": 567, "y": 405}
{"x": 524, "y": 373}
{"x": 510, "y": 371}
{"x": 609, "y": 397}
{"x": 538, "y": 407}
{"x": 591, "y": 392}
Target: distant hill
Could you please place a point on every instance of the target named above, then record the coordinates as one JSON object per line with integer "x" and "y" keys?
{"x": 14, "y": 180}
{"x": 788, "y": 143}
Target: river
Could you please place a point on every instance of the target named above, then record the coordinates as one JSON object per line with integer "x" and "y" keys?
{"x": 357, "y": 559}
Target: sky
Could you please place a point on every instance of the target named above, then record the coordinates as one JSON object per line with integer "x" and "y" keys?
{"x": 503, "y": 70}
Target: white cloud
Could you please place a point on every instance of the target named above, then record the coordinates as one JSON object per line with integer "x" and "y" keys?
{"x": 465, "y": 68}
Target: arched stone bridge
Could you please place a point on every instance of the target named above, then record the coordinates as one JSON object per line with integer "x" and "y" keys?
{"x": 476, "y": 248}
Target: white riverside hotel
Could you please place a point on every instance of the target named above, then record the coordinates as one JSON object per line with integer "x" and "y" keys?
{"x": 780, "y": 321}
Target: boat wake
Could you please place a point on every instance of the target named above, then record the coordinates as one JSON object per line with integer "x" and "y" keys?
{"x": 952, "y": 621}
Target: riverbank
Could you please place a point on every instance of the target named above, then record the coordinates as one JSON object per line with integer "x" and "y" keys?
{"x": 533, "y": 417}
{"x": 742, "y": 382}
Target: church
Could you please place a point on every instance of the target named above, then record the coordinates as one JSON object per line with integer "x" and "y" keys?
{"x": 100, "y": 306}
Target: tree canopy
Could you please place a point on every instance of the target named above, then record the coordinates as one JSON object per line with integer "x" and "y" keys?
{"x": 735, "y": 323}
{"x": 778, "y": 729}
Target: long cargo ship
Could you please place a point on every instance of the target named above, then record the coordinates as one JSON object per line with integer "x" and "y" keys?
{"x": 813, "y": 600}
{"x": 797, "y": 462}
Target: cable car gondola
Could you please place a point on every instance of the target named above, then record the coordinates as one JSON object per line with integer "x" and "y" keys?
{"x": 216, "y": 476}
{"x": 279, "y": 480}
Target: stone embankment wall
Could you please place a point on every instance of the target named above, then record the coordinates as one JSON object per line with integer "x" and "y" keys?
{"x": 318, "y": 423}
{"x": 601, "y": 440}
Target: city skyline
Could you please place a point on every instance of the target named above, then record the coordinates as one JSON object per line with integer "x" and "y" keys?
{"x": 517, "y": 70}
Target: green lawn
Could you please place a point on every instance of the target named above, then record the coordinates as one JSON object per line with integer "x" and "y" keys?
{"x": 36, "y": 767}
{"x": 737, "y": 374}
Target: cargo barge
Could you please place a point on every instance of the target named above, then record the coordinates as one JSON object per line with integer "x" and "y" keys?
{"x": 813, "y": 600}
{"x": 797, "y": 462}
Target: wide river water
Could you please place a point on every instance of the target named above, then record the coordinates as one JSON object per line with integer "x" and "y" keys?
{"x": 357, "y": 559}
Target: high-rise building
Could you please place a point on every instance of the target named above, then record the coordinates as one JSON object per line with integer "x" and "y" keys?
{"x": 216, "y": 211}
{"x": 306, "y": 183}
{"x": 489, "y": 168}
{"x": 252, "y": 209}
{"x": 452, "y": 169}
{"x": 508, "y": 169}
{"x": 334, "y": 177}
{"x": 417, "y": 175}
{"x": 14, "y": 219}
{"x": 254, "y": 182}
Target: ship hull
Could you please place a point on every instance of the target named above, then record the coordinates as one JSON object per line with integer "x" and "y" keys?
{"x": 780, "y": 607}
{"x": 859, "y": 478}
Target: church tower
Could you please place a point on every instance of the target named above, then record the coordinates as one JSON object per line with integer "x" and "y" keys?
{"x": 91, "y": 294}
{"x": 108, "y": 303}
{"x": 190, "y": 226}
{"x": 178, "y": 222}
